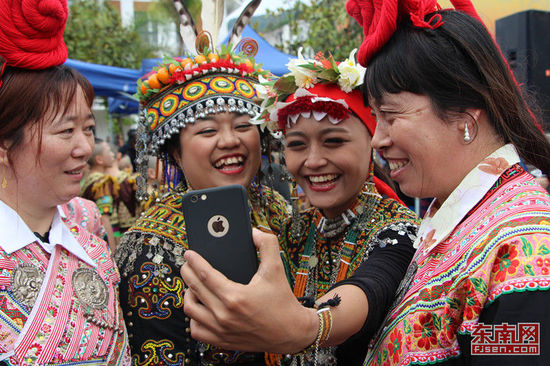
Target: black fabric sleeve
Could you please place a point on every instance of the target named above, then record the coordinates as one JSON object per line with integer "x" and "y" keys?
{"x": 513, "y": 308}
{"x": 379, "y": 277}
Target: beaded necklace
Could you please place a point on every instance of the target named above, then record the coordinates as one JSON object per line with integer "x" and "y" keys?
{"x": 356, "y": 220}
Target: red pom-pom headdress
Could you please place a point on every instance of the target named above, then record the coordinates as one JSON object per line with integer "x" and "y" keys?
{"x": 379, "y": 19}
{"x": 31, "y": 33}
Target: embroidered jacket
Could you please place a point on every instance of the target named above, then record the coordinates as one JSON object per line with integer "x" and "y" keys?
{"x": 58, "y": 301}
{"x": 149, "y": 257}
{"x": 483, "y": 257}
{"x": 84, "y": 213}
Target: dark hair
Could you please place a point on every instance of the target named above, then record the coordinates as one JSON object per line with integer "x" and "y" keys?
{"x": 458, "y": 66}
{"x": 34, "y": 97}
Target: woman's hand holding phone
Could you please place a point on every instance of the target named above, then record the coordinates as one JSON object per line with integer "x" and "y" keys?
{"x": 236, "y": 316}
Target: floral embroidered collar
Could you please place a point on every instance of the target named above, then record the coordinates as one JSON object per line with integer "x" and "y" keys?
{"x": 439, "y": 222}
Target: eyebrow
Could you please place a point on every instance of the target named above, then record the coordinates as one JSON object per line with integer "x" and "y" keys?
{"x": 333, "y": 129}
{"x": 324, "y": 131}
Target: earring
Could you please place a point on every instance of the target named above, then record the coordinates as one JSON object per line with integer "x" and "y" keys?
{"x": 4, "y": 180}
{"x": 467, "y": 137}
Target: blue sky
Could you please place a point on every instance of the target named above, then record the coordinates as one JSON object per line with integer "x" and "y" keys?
{"x": 272, "y": 5}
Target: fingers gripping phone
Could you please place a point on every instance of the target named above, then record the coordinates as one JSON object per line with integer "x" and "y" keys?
{"x": 218, "y": 227}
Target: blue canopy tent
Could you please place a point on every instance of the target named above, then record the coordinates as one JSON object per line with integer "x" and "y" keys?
{"x": 116, "y": 83}
{"x": 271, "y": 58}
{"x": 119, "y": 84}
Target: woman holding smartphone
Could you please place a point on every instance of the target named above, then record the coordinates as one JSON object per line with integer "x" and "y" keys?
{"x": 196, "y": 118}
{"x": 356, "y": 219}
{"x": 453, "y": 125}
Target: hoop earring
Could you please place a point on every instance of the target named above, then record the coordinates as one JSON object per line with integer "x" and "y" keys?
{"x": 467, "y": 137}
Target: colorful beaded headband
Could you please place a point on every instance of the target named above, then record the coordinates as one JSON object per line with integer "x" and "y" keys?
{"x": 181, "y": 91}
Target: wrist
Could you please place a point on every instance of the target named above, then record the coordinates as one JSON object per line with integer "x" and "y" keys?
{"x": 308, "y": 334}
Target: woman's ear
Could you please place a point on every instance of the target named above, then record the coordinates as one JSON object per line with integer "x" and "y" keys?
{"x": 175, "y": 154}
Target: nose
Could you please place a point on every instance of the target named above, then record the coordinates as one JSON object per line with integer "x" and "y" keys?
{"x": 315, "y": 158}
{"x": 228, "y": 139}
{"x": 381, "y": 138}
{"x": 83, "y": 146}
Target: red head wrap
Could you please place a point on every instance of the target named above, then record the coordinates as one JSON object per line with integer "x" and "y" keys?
{"x": 353, "y": 99}
{"x": 379, "y": 19}
{"x": 31, "y": 33}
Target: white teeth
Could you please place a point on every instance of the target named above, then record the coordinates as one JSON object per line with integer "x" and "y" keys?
{"x": 229, "y": 161}
{"x": 396, "y": 165}
{"x": 322, "y": 178}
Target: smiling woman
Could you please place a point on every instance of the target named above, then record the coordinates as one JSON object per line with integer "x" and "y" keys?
{"x": 46, "y": 137}
{"x": 356, "y": 225}
{"x": 198, "y": 124}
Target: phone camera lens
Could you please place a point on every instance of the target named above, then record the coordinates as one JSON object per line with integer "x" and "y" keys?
{"x": 194, "y": 198}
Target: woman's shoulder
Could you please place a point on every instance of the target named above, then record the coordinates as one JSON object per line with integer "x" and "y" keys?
{"x": 390, "y": 211}
{"x": 163, "y": 218}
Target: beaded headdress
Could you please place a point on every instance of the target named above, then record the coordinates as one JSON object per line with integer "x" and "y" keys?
{"x": 181, "y": 90}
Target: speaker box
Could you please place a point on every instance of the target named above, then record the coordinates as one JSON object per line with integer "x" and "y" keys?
{"x": 524, "y": 39}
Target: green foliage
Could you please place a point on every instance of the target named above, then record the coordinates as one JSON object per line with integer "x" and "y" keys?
{"x": 94, "y": 33}
{"x": 119, "y": 121}
{"x": 329, "y": 28}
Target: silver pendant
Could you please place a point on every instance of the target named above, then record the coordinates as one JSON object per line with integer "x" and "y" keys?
{"x": 90, "y": 289}
{"x": 26, "y": 281}
{"x": 313, "y": 261}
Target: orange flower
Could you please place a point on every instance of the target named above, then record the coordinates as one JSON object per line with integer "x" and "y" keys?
{"x": 494, "y": 166}
{"x": 199, "y": 59}
{"x": 172, "y": 68}
{"x": 429, "y": 240}
{"x": 163, "y": 76}
{"x": 212, "y": 57}
{"x": 186, "y": 61}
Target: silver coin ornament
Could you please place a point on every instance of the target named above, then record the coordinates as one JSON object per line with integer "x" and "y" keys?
{"x": 90, "y": 289}
{"x": 26, "y": 281}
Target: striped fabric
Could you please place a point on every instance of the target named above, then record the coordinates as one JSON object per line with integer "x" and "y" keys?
{"x": 55, "y": 330}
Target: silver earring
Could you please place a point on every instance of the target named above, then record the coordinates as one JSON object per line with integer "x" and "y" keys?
{"x": 467, "y": 137}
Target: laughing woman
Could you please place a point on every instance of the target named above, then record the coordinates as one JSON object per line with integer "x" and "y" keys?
{"x": 356, "y": 222}
{"x": 197, "y": 121}
{"x": 452, "y": 121}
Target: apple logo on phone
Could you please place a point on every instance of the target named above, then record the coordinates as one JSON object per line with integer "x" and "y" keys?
{"x": 218, "y": 226}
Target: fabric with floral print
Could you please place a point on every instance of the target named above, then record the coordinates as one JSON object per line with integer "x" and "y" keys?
{"x": 488, "y": 241}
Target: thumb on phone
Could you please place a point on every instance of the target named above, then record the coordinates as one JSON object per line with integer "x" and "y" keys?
{"x": 270, "y": 258}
